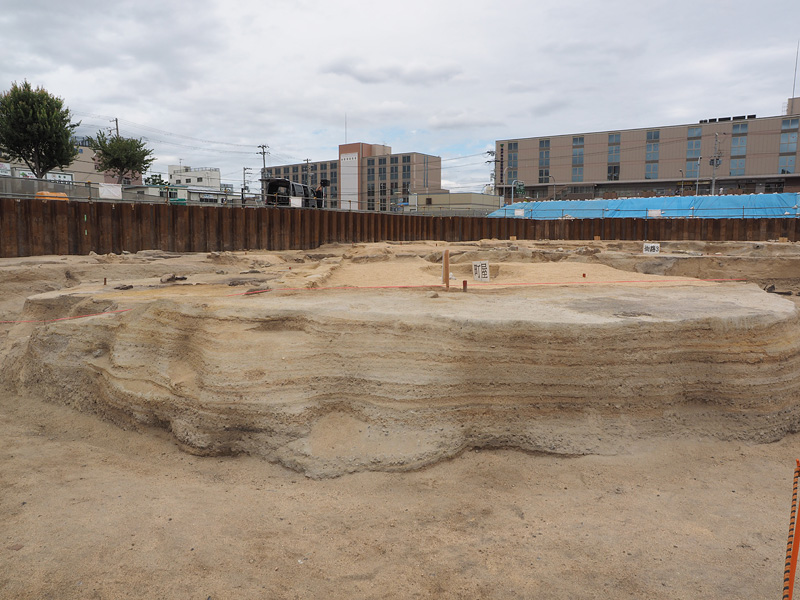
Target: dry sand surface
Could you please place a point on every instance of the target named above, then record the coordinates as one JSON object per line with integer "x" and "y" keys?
{"x": 594, "y": 423}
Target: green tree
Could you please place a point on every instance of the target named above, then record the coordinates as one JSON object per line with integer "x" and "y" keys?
{"x": 36, "y": 129}
{"x": 122, "y": 156}
{"x": 155, "y": 179}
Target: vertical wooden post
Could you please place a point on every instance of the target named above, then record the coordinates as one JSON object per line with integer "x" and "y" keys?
{"x": 446, "y": 269}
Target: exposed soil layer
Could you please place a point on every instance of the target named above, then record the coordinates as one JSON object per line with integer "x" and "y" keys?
{"x": 640, "y": 396}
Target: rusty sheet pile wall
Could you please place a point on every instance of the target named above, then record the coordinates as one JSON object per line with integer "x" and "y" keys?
{"x": 41, "y": 227}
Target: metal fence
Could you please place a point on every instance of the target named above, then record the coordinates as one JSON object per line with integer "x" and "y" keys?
{"x": 35, "y": 227}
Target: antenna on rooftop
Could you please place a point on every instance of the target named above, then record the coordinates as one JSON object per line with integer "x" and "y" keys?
{"x": 796, "y": 55}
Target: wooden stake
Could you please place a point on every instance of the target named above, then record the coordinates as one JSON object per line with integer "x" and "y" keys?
{"x": 446, "y": 269}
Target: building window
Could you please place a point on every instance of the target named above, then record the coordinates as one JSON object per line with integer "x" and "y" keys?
{"x": 334, "y": 166}
{"x": 577, "y": 140}
{"x": 544, "y": 158}
{"x": 739, "y": 128}
{"x": 613, "y": 154}
{"x": 786, "y": 165}
{"x": 737, "y": 166}
{"x": 788, "y": 124}
{"x": 285, "y": 170}
{"x": 577, "y": 173}
{"x": 511, "y": 175}
{"x": 382, "y": 161}
{"x": 653, "y": 136}
{"x": 406, "y": 171}
{"x": 406, "y": 159}
{"x": 544, "y": 144}
{"x": 188, "y": 180}
{"x": 613, "y": 173}
{"x": 544, "y": 175}
{"x": 323, "y": 167}
{"x": 692, "y": 169}
{"x": 695, "y": 132}
{"x": 370, "y": 173}
{"x": 177, "y": 181}
{"x": 652, "y": 151}
{"x": 382, "y": 173}
{"x": 199, "y": 180}
{"x": 393, "y": 160}
{"x": 393, "y": 172}
{"x": 613, "y": 139}
{"x": 577, "y": 157}
{"x": 512, "y": 159}
{"x": 739, "y": 146}
{"x": 789, "y": 142}
{"x": 651, "y": 171}
{"x": 370, "y": 162}
{"x": 513, "y": 146}
{"x": 693, "y": 149}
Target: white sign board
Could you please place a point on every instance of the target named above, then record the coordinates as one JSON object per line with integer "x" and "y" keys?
{"x": 651, "y": 248}
{"x": 519, "y": 212}
{"x": 5, "y": 169}
{"x": 480, "y": 270}
{"x": 60, "y": 177}
{"x": 110, "y": 191}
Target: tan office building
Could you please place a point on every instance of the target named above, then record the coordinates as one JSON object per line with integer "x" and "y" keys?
{"x": 367, "y": 176}
{"x": 727, "y": 155}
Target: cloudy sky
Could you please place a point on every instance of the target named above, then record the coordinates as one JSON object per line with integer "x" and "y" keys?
{"x": 204, "y": 82}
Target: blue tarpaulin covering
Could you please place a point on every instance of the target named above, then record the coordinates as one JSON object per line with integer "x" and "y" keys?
{"x": 752, "y": 206}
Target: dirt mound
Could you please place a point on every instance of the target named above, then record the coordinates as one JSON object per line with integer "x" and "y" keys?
{"x": 330, "y": 381}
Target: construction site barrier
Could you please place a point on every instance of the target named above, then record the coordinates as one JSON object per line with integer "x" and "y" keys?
{"x": 36, "y": 227}
{"x": 790, "y": 566}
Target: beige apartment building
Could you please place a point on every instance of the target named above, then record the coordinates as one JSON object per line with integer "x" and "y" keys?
{"x": 367, "y": 176}
{"x": 723, "y": 155}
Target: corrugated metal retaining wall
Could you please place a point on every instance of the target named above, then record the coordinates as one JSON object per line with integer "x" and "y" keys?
{"x": 39, "y": 227}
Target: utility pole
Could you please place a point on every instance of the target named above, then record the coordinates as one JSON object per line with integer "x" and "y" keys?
{"x": 116, "y": 122}
{"x": 697, "y": 180}
{"x": 263, "y": 172}
{"x": 714, "y": 162}
{"x": 244, "y": 181}
{"x": 307, "y": 171}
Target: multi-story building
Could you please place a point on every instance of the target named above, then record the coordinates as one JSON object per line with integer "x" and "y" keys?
{"x": 367, "y": 176}
{"x": 200, "y": 177}
{"x": 741, "y": 154}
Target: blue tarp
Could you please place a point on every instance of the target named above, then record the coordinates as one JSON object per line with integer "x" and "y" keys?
{"x": 752, "y": 206}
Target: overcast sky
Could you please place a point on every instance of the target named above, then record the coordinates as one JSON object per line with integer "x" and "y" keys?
{"x": 204, "y": 82}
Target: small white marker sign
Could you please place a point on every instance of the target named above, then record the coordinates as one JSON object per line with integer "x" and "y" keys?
{"x": 652, "y": 249}
{"x": 480, "y": 270}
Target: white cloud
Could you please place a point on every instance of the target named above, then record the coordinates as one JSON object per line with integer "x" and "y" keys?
{"x": 445, "y": 78}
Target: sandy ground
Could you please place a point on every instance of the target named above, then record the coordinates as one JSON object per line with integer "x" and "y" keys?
{"x": 92, "y": 510}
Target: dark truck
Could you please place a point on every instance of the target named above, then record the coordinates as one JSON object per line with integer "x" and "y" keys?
{"x": 282, "y": 192}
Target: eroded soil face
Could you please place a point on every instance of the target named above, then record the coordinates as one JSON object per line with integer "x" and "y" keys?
{"x": 300, "y": 394}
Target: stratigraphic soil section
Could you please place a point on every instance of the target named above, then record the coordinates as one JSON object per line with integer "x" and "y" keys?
{"x": 653, "y": 486}
{"x": 337, "y": 368}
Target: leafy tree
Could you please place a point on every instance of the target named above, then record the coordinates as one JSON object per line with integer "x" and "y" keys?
{"x": 122, "y": 156}
{"x": 155, "y": 179}
{"x": 35, "y": 128}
